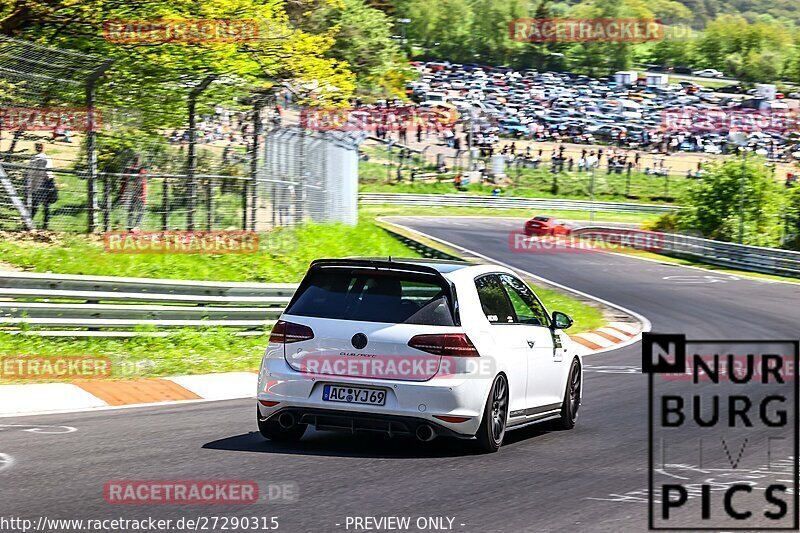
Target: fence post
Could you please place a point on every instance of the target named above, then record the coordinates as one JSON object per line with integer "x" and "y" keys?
{"x": 209, "y": 204}
{"x": 165, "y": 204}
{"x": 258, "y": 104}
{"x": 245, "y": 185}
{"x": 298, "y": 193}
{"x": 628, "y": 183}
{"x": 192, "y": 163}
{"x": 91, "y": 153}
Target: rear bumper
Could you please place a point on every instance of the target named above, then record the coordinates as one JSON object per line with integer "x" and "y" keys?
{"x": 414, "y": 401}
{"x": 357, "y": 422}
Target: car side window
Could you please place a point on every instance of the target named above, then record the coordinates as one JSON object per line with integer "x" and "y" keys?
{"x": 494, "y": 302}
{"x": 526, "y": 306}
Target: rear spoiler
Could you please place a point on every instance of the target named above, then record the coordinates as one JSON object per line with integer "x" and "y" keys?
{"x": 387, "y": 264}
{"x": 380, "y": 264}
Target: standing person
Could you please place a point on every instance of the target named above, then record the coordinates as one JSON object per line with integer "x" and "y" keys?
{"x": 134, "y": 192}
{"x": 419, "y": 132}
{"x": 40, "y": 184}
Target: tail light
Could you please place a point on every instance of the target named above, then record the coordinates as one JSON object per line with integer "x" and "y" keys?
{"x": 445, "y": 344}
{"x": 452, "y": 419}
{"x": 288, "y": 332}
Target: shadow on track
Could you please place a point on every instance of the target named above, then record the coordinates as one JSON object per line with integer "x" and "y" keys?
{"x": 335, "y": 444}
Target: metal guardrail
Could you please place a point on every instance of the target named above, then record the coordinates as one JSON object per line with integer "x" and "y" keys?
{"x": 509, "y": 202}
{"x": 100, "y": 306}
{"x": 739, "y": 256}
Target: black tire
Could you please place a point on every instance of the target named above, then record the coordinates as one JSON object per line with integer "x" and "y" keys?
{"x": 270, "y": 429}
{"x": 495, "y": 416}
{"x": 572, "y": 397}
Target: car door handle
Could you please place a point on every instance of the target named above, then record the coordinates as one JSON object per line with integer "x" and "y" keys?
{"x": 531, "y": 343}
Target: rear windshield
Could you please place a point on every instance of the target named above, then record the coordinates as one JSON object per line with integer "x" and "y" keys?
{"x": 374, "y": 296}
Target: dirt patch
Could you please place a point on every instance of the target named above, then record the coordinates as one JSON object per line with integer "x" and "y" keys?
{"x": 38, "y": 237}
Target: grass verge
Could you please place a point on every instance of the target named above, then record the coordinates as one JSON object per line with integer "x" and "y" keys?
{"x": 283, "y": 256}
{"x": 185, "y": 352}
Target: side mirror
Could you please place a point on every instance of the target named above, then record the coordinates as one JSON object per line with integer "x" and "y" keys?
{"x": 561, "y": 320}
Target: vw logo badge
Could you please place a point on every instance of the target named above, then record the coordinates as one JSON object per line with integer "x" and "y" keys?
{"x": 359, "y": 340}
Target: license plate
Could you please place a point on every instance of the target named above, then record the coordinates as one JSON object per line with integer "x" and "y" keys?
{"x": 346, "y": 394}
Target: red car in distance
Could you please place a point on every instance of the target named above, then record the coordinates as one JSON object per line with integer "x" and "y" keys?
{"x": 546, "y": 226}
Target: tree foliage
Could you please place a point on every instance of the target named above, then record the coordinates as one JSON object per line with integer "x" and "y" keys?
{"x": 712, "y": 206}
{"x": 352, "y": 45}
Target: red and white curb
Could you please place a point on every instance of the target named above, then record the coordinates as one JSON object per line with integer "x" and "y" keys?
{"x": 43, "y": 398}
{"x": 609, "y": 337}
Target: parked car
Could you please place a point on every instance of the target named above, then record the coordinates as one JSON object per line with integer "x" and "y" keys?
{"x": 708, "y": 73}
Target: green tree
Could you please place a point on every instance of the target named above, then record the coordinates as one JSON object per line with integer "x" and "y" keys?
{"x": 155, "y": 77}
{"x": 712, "y": 206}
{"x": 793, "y": 217}
{"x": 363, "y": 40}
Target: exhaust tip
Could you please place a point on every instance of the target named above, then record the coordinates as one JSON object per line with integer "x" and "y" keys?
{"x": 425, "y": 433}
{"x": 286, "y": 420}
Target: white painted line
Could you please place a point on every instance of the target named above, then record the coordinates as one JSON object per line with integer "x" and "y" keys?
{"x": 5, "y": 461}
{"x": 594, "y": 338}
{"x": 25, "y": 399}
{"x": 225, "y": 386}
{"x": 625, "y": 326}
{"x": 646, "y": 325}
{"x": 614, "y": 333}
{"x": 113, "y": 407}
{"x": 33, "y": 428}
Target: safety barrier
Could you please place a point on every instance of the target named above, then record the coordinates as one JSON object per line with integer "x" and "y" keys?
{"x": 739, "y": 256}
{"x": 101, "y": 306}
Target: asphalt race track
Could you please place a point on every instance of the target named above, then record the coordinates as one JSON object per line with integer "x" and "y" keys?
{"x": 590, "y": 479}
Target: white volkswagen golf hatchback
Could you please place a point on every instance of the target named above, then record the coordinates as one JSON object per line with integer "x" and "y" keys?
{"x": 416, "y": 347}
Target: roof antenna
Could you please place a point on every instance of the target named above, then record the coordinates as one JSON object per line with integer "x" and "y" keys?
{"x": 390, "y": 258}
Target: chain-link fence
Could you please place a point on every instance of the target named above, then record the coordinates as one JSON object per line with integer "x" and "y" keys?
{"x": 221, "y": 161}
{"x": 309, "y": 175}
